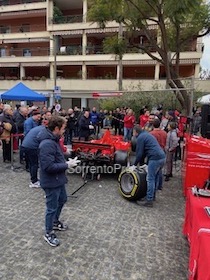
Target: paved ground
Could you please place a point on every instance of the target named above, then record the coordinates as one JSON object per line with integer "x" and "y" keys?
{"x": 109, "y": 238}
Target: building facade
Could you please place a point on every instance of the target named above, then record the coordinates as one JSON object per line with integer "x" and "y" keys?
{"x": 48, "y": 44}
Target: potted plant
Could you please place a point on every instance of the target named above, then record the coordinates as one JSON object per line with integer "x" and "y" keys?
{"x": 1, "y": 78}
{"x": 36, "y": 78}
{"x": 29, "y": 78}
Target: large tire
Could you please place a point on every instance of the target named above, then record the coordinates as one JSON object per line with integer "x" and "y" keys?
{"x": 133, "y": 184}
{"x": 121, "y": 157}
{"x": 133, "y": 143}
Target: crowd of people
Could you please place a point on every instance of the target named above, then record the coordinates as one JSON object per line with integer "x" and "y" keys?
{"x": 43, "y": 133}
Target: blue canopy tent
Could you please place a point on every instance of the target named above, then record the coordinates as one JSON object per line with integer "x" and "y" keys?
{"x": 23, "y": 93}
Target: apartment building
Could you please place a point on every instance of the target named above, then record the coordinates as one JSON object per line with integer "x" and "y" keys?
{"x": 48, "y": 44}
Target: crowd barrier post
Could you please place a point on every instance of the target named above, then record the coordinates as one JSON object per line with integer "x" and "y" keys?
{"x": 12, "y": 154}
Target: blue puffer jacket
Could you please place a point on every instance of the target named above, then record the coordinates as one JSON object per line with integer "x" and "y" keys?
{"x": 31, "y": 141}
{"x": 52, "y": 161}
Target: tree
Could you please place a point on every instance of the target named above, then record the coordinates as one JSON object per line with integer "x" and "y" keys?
{"x": 177, "y": 23}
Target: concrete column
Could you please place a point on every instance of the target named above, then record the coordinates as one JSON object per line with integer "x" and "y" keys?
{"x": 197, "y": 71}
{"x": 51, "y": 71}
{"x": 22, "y": 71}
{"x": 49, "y": 13}
{"x": 84, "y": 71}
{"x": 157, "y": 71}
{"x": 85, "y": 10}
{"x": 118, "y": 72}
{"x": 83, "y": 102}
{"x": 84, "y": 42}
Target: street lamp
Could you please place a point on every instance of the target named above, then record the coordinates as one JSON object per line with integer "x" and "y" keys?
{"x": 52, "y": 97}
{"x": 55, "y": 62}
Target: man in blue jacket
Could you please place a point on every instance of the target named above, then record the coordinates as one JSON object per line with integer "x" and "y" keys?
{"x": 148, "y": 146}
{"x": 52, "y": 176}
{"x": 32, "y": 122}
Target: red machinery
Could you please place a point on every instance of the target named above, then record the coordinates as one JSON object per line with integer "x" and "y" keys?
{"x": 108, "y": 150}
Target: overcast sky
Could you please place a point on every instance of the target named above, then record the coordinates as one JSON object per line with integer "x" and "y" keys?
{"x": 205, "y": 61}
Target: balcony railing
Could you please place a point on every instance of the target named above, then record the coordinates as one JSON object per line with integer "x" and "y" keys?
{"x": 13, "y": 52}
{"x": 15, "y": 2}
{"x": 66, "y": 19}
{"x": 77, "y": 50}
{"x": 22, "y": 28}
{"x": 90, "y": 49}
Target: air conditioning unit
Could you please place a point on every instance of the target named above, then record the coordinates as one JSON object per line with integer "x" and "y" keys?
{"x": 63, "y": 49}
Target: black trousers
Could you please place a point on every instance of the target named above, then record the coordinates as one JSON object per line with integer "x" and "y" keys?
{"x": 6, "y": 146}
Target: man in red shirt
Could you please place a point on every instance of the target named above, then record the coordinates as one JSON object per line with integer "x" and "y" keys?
{"x": 159, "y": 134}
{"x": 143, "y": 119}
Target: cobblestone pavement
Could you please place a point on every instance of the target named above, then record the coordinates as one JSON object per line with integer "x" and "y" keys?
{"x": 109, "y": 238}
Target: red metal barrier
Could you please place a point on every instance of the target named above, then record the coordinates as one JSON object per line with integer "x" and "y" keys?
{"x": 196, "y": 165}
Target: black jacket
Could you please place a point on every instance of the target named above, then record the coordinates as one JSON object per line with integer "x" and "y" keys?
{"x": 52, "y": 162}
{"x": 84, "y": 130}
{"x": 19, "y": 121}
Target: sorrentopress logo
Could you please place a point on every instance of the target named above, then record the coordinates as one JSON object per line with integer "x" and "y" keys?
{"x": 91, "y": 169}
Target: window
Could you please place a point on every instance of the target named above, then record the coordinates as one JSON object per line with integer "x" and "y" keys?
{"x": 4, "y": 29}
{"x": 4, "y": 2}
{"x": 2, "y": 52}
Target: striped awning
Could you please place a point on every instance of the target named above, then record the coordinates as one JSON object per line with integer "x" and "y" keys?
{"x": 139, "y": 62}
{"x": 25, "y": 40}
{"x": 35, "y": 64}
{"x": 104, "y": 30}
{"x": 69, "y": 63}
{"x": 68, "y": 32}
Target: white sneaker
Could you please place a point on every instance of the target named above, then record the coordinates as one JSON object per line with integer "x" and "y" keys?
{"x": 34, "y": 185}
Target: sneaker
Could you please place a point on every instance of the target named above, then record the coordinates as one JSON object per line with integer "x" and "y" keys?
{"x": 52, "y": 239}
{"x": 34, "y": 185}
{"x": 148, "y": 204}
{"x": 60, "y": 226}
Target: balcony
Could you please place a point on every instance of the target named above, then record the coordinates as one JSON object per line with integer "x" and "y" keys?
{"x": 25, "y": 28}
{"x": 20, "y": 52}
{"x": 15, "y": 2}
{"x": 66, "y": 19}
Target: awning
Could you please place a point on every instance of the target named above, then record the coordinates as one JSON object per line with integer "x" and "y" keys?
{"x": 25, "y": 40}
{"x": 69, "y": 63}
{"x": 188, "y": 61}
{"x": 9, "y": 64}
{"x": 68, "y": 32}
{"x": 35, "y": 64}
{"x": 105, "y": 30}
{"x": 111, "y": 62}
{"x": 139, "y": 62}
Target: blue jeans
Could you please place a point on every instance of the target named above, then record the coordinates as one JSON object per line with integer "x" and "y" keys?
{"x": 159, "y": 183}
{"x": 32, "y": 157}
{"x": 127, "y": 134}
{"x": 153, "y": 176}
{"x": 55, "y": 200}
